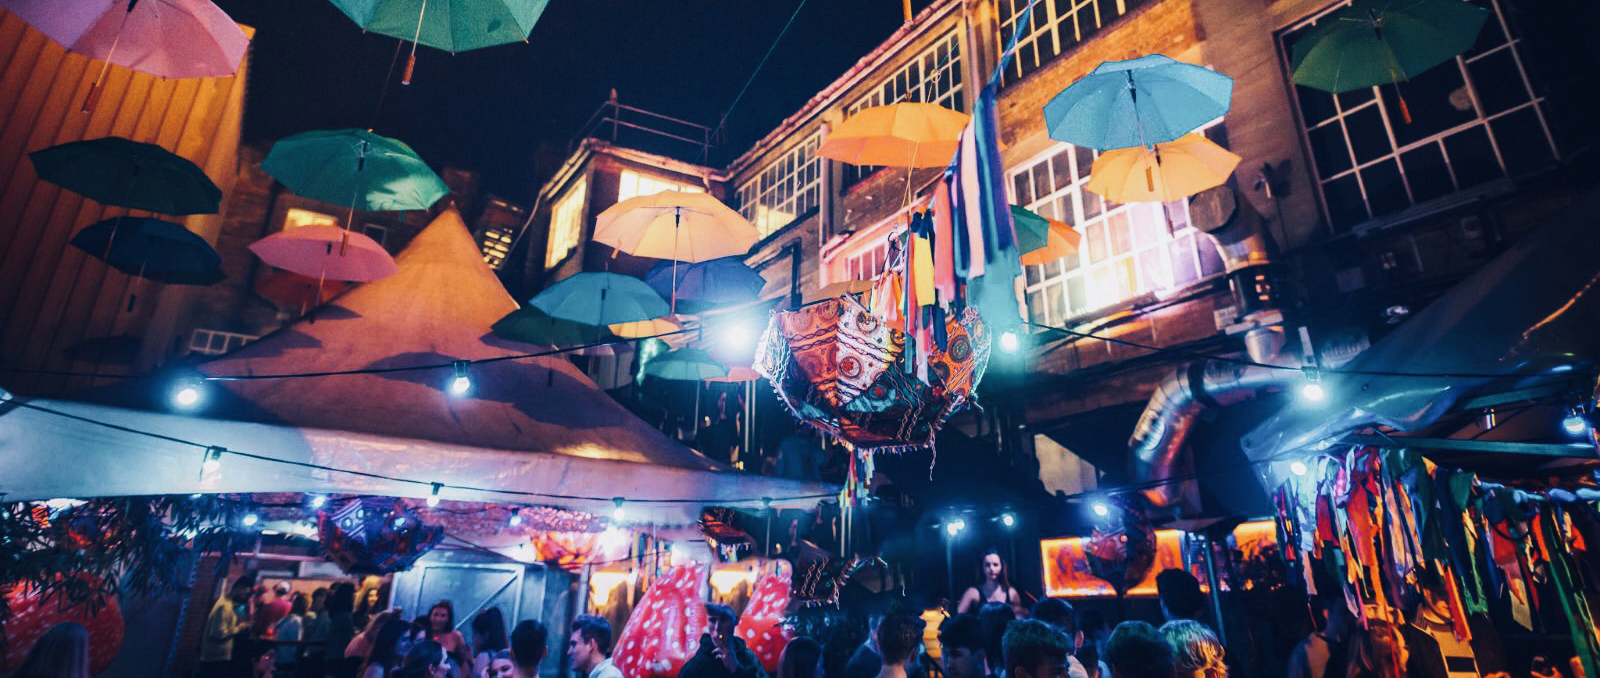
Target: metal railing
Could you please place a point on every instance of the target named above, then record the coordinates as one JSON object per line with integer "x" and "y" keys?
{"x": 635, "y": 127}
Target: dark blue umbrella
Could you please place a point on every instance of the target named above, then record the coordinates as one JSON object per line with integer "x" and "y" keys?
{"x": 718, "y": 281}
{"x": 152, "y": 249}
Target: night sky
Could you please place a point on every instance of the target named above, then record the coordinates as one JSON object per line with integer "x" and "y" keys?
{"x": 491, "y": 110}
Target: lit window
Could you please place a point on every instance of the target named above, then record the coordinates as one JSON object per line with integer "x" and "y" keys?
{"x": 496, "y": 246}
{"x": 785, "y": 189}
{"x": 633, "y": 184}
{"x": 1053, "y": 28}
{"x": 869, "y": 264}
{"x": 1474, "y": 119}
{"x": 378, "y": 232}
{"x": 566, "y": 224}
{"x": 297, "y": 217}
{"x": 933, "y": 77}
{"x": 217, "y": 342}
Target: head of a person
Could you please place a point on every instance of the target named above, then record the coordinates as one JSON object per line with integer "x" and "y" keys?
{"x": 424, "y": 660}
{"x": 1335, "y": 613}
{"x": 961, "y": 647}
{"x": 391, "y": 643}
{"x": 720, "y": 620}
{"x": 1137, "y": 650}
{"x": 1034, "y": 649}
{"x": 840, "y": 641}
{"x": 500, "y": 665}
{"x": 992, "y": 569}
{"x": 1180, "y": 594}
{"x": 299, "y": 604}
{"x": 342, "y": 598}
{"x": 528, "y": 645}
{"x": 421, "y": 627}
{"x": 62, "y": 652}
{"x": 590, "y": 642}
{"x": 489, "y": 631}
{"x": 1092, "y": 623}
{"x": 282, "y": 589}
{"x": 1196, "y": 652}
{"x": 319, "y": 599}
{"x": 993, "y": 618}
{"x": 441, "y": 618}
{"x": 800, "y": 658}
{"x": 897, "y": 636}
{"x": 1382, "y": 651}
{"x": 1088, "y": 655}
{"x": 1058, "y": 613}
{"x": 242, "y": 588}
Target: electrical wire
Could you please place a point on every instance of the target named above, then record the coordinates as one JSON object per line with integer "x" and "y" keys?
{"x": 770, "y": 49}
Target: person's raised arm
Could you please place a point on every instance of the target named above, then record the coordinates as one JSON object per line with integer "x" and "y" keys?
{"x": 969, "y": 600}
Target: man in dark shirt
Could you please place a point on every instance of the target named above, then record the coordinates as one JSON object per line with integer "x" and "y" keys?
{"x": 721, "y": 654}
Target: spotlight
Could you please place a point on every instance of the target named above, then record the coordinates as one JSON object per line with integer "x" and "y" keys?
{"x": 955, "y": 527}
{"x": 1298, "y": 467}
{"x": 516, "y": 517}
{"x": 737, "y": 336}
{"x": 187, "y": 393}
{"x": 1575, "y": 424}
{"x": 433, "y": 497}
{"x": 318, "y": 501}
{"x": 1009, "y": 341}
{"x": 618, "y": 513}
{"x": 1100, "y": 509}
{"x": 1312, "y": 389}
{"x": 250, "y": 519}
{"x": 1008, "y": 520}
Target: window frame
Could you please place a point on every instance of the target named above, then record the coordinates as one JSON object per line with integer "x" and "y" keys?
{"x": 567, "y": 214}
{"x": 1049, "y": 27}
{"x": 231, "y": 341}
{"x": 791, "y": 181}
{"x": 654, "y": 181}
{"x": 953, "y": 98}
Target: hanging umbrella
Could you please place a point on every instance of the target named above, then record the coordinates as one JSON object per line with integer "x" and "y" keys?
{"x": 1171, "y": 171}
{"x": 165, "y": 38}
{"x": 288, "y": 289}
{"x": 718, "y": 281}
{"x": 841, "y": 288}
{"x": 685, "y": 364}
{"x": 1377, "y": 42}
{"x": 599, "y": 299}
{"x": 124, "y": 173}
{"x": 152, "y": 249}
{"x": 1042, "y": 240}
{"x": 735, "y": 375}
{"x": 530, "y": 325}
{"x": 653, "y": 327}
{"x": 326, "y": 253}
{"x": 451, "y": 25}
{"x": 1139, "y": 102}
{"x": 898, "y": 135}
{"x": 675, "y": 225}
{"x": 354, "y": 168}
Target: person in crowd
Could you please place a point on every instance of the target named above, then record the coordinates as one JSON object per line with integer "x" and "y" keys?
{"x": 365, "y": 642}
{"x": 442, "y": 630}
{"x": 1137, "y": 650}
{"x": 488, "y": 637}
{"x": 289, "y": 631}
{"x": 527, "y": 648}
{"x": 589, "y": 648}
{"x": 1088, "y": 656}
{"x": 389, "y": 647}
{"x": 223, "y": 626}
{"x": 425, "y": 659}
{"x": 316, "y": 622}
{"x": 801, "y": 658}
{"x": 270, "y": 609}
{"x": 369, "y": 602}
{"x": 865, "y": 661}
{"x": 1059, "y": 615}
{"x": 721, "y": 654}
{"x": 264, "y": 665}
{"x": 898, "y": 636}
{"x": 962, "y": 647}
{"x": 993, "y": 618}
{"x": 1180, "y": 595}
{"x": 341, "y": 630}
{"x": 994, "y": 586}
{"x": 1326, "y": 652}
{"x": 62, "y": 652}
{"x": 1379, "y": 652}
{"x": 1092, "y": 623}
{"x": 500, "y": 666}
{"x": 1196, "y": 652}
{"x": 1034, "y": 649}
{"x": 839, "y": 646}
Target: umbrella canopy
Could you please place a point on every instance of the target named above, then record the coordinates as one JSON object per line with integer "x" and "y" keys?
{"x": 125, "y": 173}
{"x": 718, "y": 281}
{"x": 1377, "y": 42}
{"x": 292, "y": 290}
{"x": 530, "y": 325}
{"x": 450, "y": 25}
{"x": 152, "y": 249}
{"x": 1171, "y": 171}
{"x": 325, "y": 253}
{"x": 354, "y": 168}
{"x": 1138, "y": 102}
{"x": 841, "y": 288}
{"x": 735, "y": 375}
{"x": 898, "y": 135}
{"x": 1042, "y": 240}
{"x": 600, "y": 299}
{"x": 685, "y": 364}
{"x": 165, "y": 38}
{"x": 654, "y": 327}
{"x": 675, "y": 225}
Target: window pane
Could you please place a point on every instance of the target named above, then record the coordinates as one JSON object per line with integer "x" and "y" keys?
{"x": 1386, "y": 193}
{"x": 1084, "y": 159}
{"x": 1022, "y": 188}
{"x": 1472, "y": 157}
{"x": 1327, "y": 147}
{"x": 1500, "y": 85}
{"x": 1061, "y": 166}
{"x": 1055, "y": 302}
{"x": 1077, "y": 296}
{"x": 1425, "y": 169}
{"x": 1092, "y": 205}
{"x": 1033, "y": 274}
{"x": 1064, "y": 209}
{"x": 1153, "y": 270}
{"x": 1121, "y": 234}
{"x": 1522, "y": 142}
{"x": 1098, "y": 244}
{"x": 1368, "y": 139}
{"x": 1184, "y": 269}
{"x": 1041, "y": 178}
{"x": 1210, "y": 258}
{"x": 1036, "y": 312}
{"x": 1492, "y": 35}
{"x": 1345, "y": 205}
{"x": 1348, "y": 101}
{"x": 1437, "y": 100}
{"x": 1053, "y": 269}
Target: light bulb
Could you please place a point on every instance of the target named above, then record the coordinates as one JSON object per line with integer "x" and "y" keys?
{"x": 460, "y": 381}
{"x": 1008, "y": 520}
{"x": 187, "y": 393}
{"x": 1100, "y": 509}
{"x": 250, "y": 519}
{"x": 433, "y": 498}
{"x": 318, "y": 501}
{"x": 736, "y": 336}
{"x": 1313, "y": 392}
{"x": 618, "y": 513}
{"x": 955, "y": 527}
{"x": 516, "y": 517}
{"x": 1009, "y": 341}
{"x": 1574, "y": 423}
{"x": 399, "y": 522}
{"x": 1298, "y": 467}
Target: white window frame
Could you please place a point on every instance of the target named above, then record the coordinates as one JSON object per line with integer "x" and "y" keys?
{"x": 566, "y": 222}
{"x": 381, "y": 230}
{"x": 785, "y": 188}
{"x": 631, "y": 184}
{"x": 217, "y": 342}
{"x": 1059, "y": 31}
{"x": 903, "y": 85}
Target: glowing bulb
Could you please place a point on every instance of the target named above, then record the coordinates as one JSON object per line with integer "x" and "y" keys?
{"x": 737, "y": 336}
{"x": 1009, "y": 341}
{"x": 1574, "y": 424}
{"x": 1008, "y": 520}
{"x": 187, "y": 393}
{"x": 1298, "y": 468}
{"x": 516, "y": 517}
{"x": 1100, "y": 509}
{"x": 211, "y": 464}
{"x": 955, "y": 527}
{"x": 618, "y": 513}
{"x": 399, "y": 522}
{"x": 433, "y": 498}
{"x": 250, "y": 519}
{"x": 1313, "y": 392}
{"x": 318, "y": 501}
{"x": 460, "y": 381}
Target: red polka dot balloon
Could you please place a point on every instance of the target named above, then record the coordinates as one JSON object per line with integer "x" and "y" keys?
{"x": 762, "y": 624}
{"x": 665, "y": 628}
{"x": 32, "y": 617}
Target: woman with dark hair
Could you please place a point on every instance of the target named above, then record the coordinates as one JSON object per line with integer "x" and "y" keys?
{"x": 425, "y": 659}
{"x": 442, "y": 630}
{"x": 488, "y": 637}
{"x": 62, "y": 652}
{"x": 801, "y": 658}
{"x": 290, "y": 630}
{"x": 369, "y": 602}
{"x": 341, "y": 630}
{"x": 388, "y": 648}
{"x": 994, "y": 586}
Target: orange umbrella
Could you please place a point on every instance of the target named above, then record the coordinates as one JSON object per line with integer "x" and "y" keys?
{"x": 640, "y": 329}
{"x": 1170, "y": 171}
{"x": 898, "y": 135}
{"x": 735, "y": 375}
{"x": 1062, "y": 241}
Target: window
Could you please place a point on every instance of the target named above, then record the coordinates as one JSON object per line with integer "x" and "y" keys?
{"x": 1054, "y": 27}
{"x": 566, "y": 223}
{"x": 869, "y": 264}
{"x": 1126, "y": 251}
{"x": 1474, "y": 119}
{"x": 785, "y": 189}
{"x": 297, "y": 217}
{"x": 496, "y": 246}
{"x": 217, "y": 342}
{"x": 932, "y": 77}
{"x": 378, "y": 232}
{"x": 634, "y": 184}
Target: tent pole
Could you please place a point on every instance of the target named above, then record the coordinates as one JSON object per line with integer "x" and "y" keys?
{"x": 1216, "y": 593}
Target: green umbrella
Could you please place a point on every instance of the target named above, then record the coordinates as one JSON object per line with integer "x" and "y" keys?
{"x": 354, "y": 168}
{"x": 126, "y": 173}
{"x": 599, "y": 299}
{"x": 1377, "y": 42}
{"x": 685, "y": 364}
{"x": 530, "y": 325}
{"x": 450, "y": 25}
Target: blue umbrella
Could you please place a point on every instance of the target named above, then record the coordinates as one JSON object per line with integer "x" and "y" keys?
{"x": 600, "y": 299}
{"x": 1140, "y": 102}
{"x": 718, "y": 281}
{"x": 685, "y": 364}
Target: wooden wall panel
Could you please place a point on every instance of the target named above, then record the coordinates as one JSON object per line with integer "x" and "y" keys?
{"x": 53, "y": 296}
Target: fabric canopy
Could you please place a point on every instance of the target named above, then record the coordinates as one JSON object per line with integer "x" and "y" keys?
{"x": 534, "y": 425}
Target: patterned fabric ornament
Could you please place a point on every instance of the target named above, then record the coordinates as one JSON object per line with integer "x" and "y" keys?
{"x": 821, "y": 579}
{"x": 375, "y": 536}
{"x": 664, "y": 630}
{"x": 572, "y": 550}
{"x": 32, "y": 616}
{"x": 1122, "y": 553}
{"x": 762, "y": 624}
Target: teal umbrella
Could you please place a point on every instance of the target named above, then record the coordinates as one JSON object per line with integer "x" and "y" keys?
{"x": 600, "y": 299}
{"x": 354, "y": 168}
{"x": 530, "y": 325}
{"x": 685, "y": 364}
{"x": 125, "y": 173}
{"x": 1138, "y": 102}
{"x": 450, "y": 25}
{"x": 1377, "y": 42}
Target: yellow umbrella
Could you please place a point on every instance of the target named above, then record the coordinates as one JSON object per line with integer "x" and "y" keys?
{"x": 654, "y": 327}
{"x": 1170, "y": 171}
{"x": 735, "y": 375}
{"x": 675, "y": 225}
{"x": 898, "y": 135}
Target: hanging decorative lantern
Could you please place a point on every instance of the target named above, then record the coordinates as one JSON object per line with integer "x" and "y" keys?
{"x": 375, "y": 536}
{"x": 31, "y": 615}
{"x": 665, "y": 628}
{"x": 762, "y": 625}
{"x": 572, "y": 550}
{"x": 1123, "y": 552}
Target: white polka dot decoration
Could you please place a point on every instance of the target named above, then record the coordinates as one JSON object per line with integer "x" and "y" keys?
{"x": 31, "y": 617}
{"x": 761, "y": 625}
{"x": 665, "y": 628}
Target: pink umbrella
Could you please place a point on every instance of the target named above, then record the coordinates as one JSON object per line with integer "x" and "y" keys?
{"x": 326, "y": 253}
{"x": 165, "y": 38}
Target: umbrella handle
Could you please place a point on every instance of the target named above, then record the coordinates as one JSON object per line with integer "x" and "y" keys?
{"x": 411, "y": 61}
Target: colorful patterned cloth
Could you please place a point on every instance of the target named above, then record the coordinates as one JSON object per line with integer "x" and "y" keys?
{"x": 375, "y": 536}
